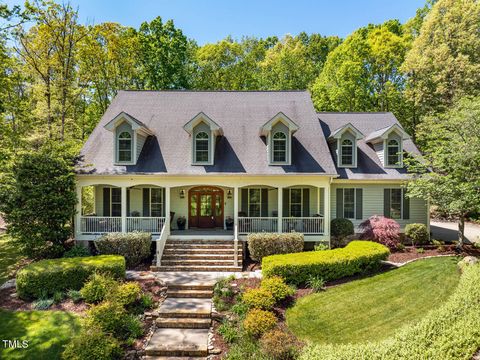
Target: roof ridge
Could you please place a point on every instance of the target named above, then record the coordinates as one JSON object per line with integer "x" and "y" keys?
{"x": 353, "y": 112}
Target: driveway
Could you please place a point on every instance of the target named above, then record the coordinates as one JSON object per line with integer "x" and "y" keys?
{"x": 447, "y": 231}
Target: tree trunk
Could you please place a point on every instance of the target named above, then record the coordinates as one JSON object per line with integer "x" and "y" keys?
{"x": 461, "y": 232}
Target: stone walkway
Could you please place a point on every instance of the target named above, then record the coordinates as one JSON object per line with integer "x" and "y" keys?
{"x": 185, "y": 317}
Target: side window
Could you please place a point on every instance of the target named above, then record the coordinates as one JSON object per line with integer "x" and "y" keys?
{"x": 156, "y": 203}
{"x": 116, "y": 201}
{"x": 279, "y": 147}
{"x": 396, "y": 203}
{"x": 393, "y": 153}
{"x": 201, "y": 147}
{"x": 346, "y": 153}
{"x": 349, "y": 203}
{"x": 296, "y": 204}
{"x": 124, "y": 147}
{"x": 254, "y": 202}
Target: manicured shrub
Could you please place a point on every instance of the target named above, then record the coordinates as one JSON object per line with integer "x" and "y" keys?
{"x": 277, "y": 287}
{"x": 97, "y": 288}
{"x": 264, "y": 244}
{"x": 47, "y": 276}
{"x": 382, "y": 230}
{"x": 134, "y": 246}
{"x": 341, "y": 228}
{"x": 417, "y": 233}
{"x": 356, "y": 258}
{"x": 91, "y": 344}
{"x": 277, "y": 344}
{"x": 449, "y": 332}
{"x": 257, "y": 322}
{"x": 77, "y": 251}
{"x": 112, "y": 318}
{"x": 126, "y": 294}
{"x": 258, "y": 298}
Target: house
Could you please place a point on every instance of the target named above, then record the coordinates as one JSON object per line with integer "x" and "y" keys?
{"x": 262, "y": 160}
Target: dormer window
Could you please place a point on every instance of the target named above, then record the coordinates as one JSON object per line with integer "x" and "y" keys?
{"x": 279, "y": 147}
{"x": 278, "y": 132}
{"x": 124, "y": 147}
{"x": 201, "y": 147}
{"x": 203, "y": 132}
{"x": 345, "y": 140}
{"x": 346, "y": 153}
{"x": 393, "y": 153}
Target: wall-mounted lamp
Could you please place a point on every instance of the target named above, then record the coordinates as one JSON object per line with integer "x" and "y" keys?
{"x": 182, "y": 194}
{"x": 229, "y": 194}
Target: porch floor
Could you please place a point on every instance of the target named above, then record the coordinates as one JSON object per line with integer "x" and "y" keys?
{"x": 202, "y": 232}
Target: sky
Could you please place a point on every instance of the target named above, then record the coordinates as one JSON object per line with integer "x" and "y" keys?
{"x": 209, "y": 21}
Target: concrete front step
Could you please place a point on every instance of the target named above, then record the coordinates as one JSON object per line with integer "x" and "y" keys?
{"x": 198, "y": 246}
{"x": 195, "y": 251}
{"x": 198, "y": 262}
{"x": 185, "y": 308}
{"x": 200, "y": 241}
{"x": 189, "y": 286}
{"x": 188, "y": 293}
{"x": 183, "y": 323}
{"x": 178, "y": 342}
{"x": 176, "y": 256}
{"x": 196, "y": 268}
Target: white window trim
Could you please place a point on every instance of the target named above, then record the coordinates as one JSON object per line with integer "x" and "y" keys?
{"x": 288, "y": 151}
{"x": 290, "y": 202}
{"x": 354, "y": 203}
{"x": 285, "y": 140}
{"x": 248, "y": 201}
{"x": 209, "y": 141}
{"x": 111, "y": 201}
{"x": 385, "y": 154}
{"x": 354, "y": 154}
{"x": 133, "y": 144}
{"x": 402, "y": 199}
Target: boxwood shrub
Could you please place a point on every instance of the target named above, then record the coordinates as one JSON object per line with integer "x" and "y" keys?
{"x": 451, "y": 331}
{"x": 357, "y": 257}
{"x": 45, "y": 277}
{"x": 264, "y": 244}
{"x": 134, "y": 246}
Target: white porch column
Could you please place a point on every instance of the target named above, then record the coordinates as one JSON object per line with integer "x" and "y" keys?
{"x": 326, "y": 204}
{"x": 78, "y": 214}
{"x": 235, "y": 225}
{"x": 167, "y": 209}
{"x": 280, "y": 209}
{"x": 124, "y": 209}
{"x": 318, "y": 200}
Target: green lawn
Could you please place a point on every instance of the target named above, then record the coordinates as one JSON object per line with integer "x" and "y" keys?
{"x": 9, "y": 256}
{"x": 46, "y": 331}
{"x": 376, "y": 307}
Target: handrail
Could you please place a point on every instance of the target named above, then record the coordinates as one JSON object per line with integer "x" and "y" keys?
{"x": 162, "y": 240}
{"x": 235, "y": 245}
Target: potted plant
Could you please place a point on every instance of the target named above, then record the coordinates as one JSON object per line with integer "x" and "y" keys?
{"x": 229, "y": 223}
{"x": 181, "y": 221}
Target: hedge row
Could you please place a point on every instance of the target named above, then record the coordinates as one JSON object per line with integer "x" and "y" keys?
{"x": 264, "y": 244}
{"x": 44, "y": 278}
{"x": 357, "y": 257}
{"x": 452, "y": 331}
{"x": 134, "y": 246}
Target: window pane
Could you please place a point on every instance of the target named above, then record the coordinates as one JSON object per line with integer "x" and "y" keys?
{"x": 254, "y": 206}
{"x": 156, "y": 195}
{"x": 255, "y": 196}
{"x": 193, "y": 205}
{"x": 116, "y": 195}
{"x": 296, "y": 210}
{"x": 124, "y": 155}
{"x": 254, "y": 210}
{"x": 347, "y": 155}
{"x": 280, "y": 148}
{"x": 116, "y": 209}
{"x": 349, "y": 203}
{"x": 205, "y": 205}
{"x": 396, "y": 204}
{"x": 156, "y": 210}
{"x": 296, "y": 195}
{"x": 202, "y": 156}
{"x": 393, "y": 156}
{"x": 218, "y": 206}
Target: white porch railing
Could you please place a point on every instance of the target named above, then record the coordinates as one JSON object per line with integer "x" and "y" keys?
{"x": 162, "y": 239}
{"x": 304, "y": 225}
{"x": 152, "y": 225}
{"x": 100, "y": 224}
{"x": 257, "y": 224}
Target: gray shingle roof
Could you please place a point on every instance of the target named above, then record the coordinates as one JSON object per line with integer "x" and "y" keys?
{"x": 240, "y": 151}
{"x": 368, "y": 164}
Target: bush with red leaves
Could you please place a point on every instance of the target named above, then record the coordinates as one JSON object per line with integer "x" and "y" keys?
{"x": 382, "y": 230}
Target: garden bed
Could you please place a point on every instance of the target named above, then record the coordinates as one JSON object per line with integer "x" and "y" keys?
{"x": 412, "y": 253}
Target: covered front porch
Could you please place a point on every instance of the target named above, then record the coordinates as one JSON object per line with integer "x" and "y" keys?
{"x": 192, "y": 210}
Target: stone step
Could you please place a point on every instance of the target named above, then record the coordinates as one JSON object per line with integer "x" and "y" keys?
{"x": 212, "y": 262}
{"x": 183, "y": 323}
{"x": 176, "y": 256}
{"x": 190, "y": 286}
{"x": 188, "y": 293}
{"x": 200, "y": 241}
{"x": 178, "y": 342}
{"x": 195, "y": 268}
{"x": 194, "y": 251}
{"x": 185, "y": 308}
{"x": 198, "y": 246}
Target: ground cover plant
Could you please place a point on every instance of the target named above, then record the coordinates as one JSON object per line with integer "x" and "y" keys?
{"x": 450, "y": 331}
{"x": 375, "y": 307}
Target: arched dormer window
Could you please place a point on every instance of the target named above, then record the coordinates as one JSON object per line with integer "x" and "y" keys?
{"x": 279, "y": 147}
{"x": 346, "y": 153}
{"x": 393, "y": 153}
{"x": 124, "y": 147}
{"x": 201, "y": 147}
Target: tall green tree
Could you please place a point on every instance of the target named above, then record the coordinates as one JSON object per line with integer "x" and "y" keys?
{"x": 449, "y": 174}
{"x": 165, "y": 55}
{"x": 443, "y": 64}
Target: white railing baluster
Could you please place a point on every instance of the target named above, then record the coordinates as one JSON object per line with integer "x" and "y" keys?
{"x": 106, "y": 224}
{"x": 305, "y": 225}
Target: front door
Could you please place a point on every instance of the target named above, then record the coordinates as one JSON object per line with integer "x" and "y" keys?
{"x": 206, "y": 207}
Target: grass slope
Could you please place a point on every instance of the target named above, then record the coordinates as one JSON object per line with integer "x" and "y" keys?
{"x": 46, "y": 331}
{"x": 376, "y": 307}
{"x": 9, "y": 256}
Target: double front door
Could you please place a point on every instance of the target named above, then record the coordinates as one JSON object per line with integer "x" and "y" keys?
{"x": 206, "y": 207}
